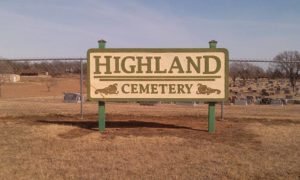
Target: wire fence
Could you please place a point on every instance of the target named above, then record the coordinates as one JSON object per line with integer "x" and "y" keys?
{"x": 40, "y": 85}
{"x": 58, "y": 86}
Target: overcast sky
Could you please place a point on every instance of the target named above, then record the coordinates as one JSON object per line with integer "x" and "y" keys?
{"x": 61, "y": 28}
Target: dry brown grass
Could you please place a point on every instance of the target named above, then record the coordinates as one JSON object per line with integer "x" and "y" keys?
{"x": 37, "y": 87}
{"x": 152, "y": 142}
{"x": 43, "y": 138}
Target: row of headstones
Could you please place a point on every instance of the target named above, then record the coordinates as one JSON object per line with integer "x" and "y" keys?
{"x": 267, "y": 92}
{"x": 259, "y": 100}
{"x": 269, "y": 84}
{"x": 76, "y": 98}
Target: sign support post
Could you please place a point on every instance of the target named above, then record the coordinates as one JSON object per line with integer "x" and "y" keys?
{"x": 101, "y": 104}
{"x": 212, "y": 105}
{"x": 101, "y": 115}
{"x": 211, "y": 117}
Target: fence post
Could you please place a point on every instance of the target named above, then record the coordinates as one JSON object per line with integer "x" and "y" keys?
{"x": 81, "y": 84}
{"x": 212, "y": 105}
{"x": 222, "y": 111}
{"x": 101, "y": 104}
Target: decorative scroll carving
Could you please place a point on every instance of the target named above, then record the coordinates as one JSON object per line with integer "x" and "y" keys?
{"x": 111, "y": 89}
{"x": 203, "y": 89}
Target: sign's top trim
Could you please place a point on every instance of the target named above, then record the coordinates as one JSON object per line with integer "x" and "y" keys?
{"x": 158, "y": 50}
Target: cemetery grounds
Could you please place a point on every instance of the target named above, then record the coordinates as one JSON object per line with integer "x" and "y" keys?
{"x": 42, "y": 137}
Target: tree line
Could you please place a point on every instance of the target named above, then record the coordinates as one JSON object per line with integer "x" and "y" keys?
{"x": 53, "y": 68}
{"x": 284, "y": 65}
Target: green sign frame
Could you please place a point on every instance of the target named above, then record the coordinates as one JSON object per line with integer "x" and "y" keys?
{"x": 160, "y": 50}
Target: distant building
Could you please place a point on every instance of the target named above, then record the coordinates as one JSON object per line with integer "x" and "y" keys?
{"x": 9, "y": 78}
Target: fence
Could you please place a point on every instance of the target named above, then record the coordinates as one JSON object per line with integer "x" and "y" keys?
{"x": 58, "y": 86}
{"x": 41, "y": 85}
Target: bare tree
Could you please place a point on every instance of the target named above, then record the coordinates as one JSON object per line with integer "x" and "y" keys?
{"x": 6, "y": 67}
{"x": 289, "y": 63}
{"x": 274, "y": 72}
{"x": 245, "y": 71}
{"x": 234, "y": 71}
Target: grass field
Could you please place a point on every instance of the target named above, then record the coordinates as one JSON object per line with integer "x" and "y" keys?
{"x": 43, "y": 138}
{"x": 152, "y": 142}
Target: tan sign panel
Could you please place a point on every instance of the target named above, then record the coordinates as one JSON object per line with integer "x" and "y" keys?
{"x": 157, "y": 74}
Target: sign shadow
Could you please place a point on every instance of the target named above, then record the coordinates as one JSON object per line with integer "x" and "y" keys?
{"x": 93, "y": 125}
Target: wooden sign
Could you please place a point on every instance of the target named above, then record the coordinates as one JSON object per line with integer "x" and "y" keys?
{"x": 158, "y": 74}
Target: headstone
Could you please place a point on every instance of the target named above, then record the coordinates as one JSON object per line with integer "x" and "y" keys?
{"x": 265, "y": 101}
{"x": 257, "y": 101}
{"x": 297, "y": 92}
{"x": 233, "y": 98}
{"x": 290, "y": 101}
{"x": 287, "y": 91}
{"x": 284, "y": 101}
{"x": 241, "y": 102}
{"x": 276, "y": 102}
{"x": 296, "y": 101}
{"x": 72, "y": 98}
{"x": 250, "y": 99}
{"x": 264, "y": 92}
